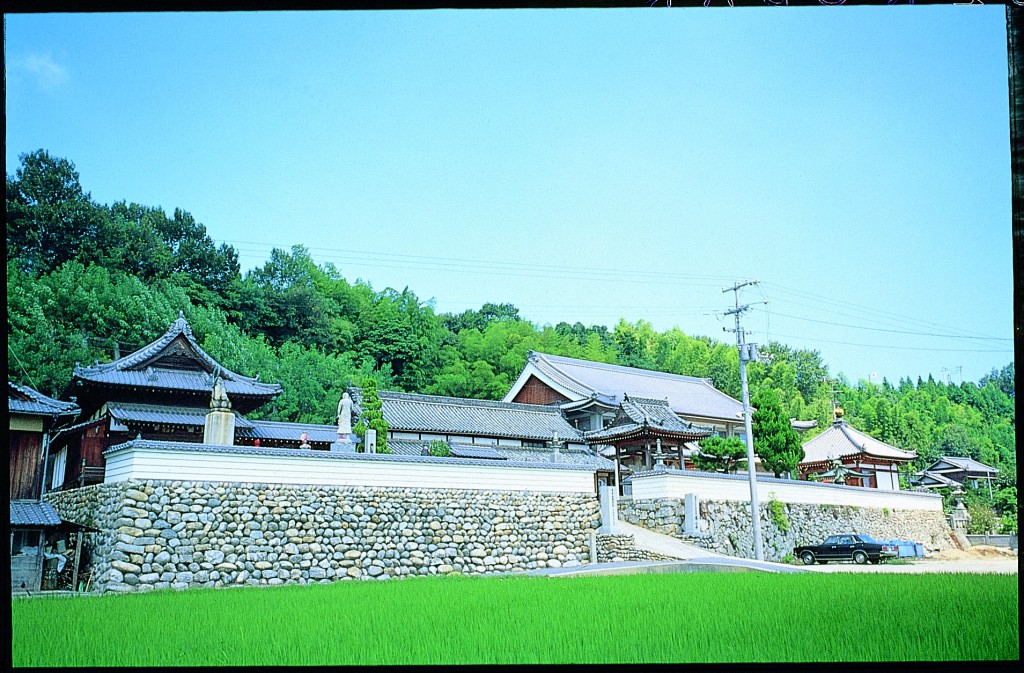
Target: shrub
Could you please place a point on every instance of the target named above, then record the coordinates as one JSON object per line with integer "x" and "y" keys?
{"x": 439, "y": 448}
{"x": 778, "y": 512}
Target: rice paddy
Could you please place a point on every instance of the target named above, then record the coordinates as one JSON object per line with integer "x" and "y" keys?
{"x": 657, "y": 618}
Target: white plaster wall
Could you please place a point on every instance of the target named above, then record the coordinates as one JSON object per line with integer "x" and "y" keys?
{"x": 676, "y": 484}
{"x": 143, "y": 463}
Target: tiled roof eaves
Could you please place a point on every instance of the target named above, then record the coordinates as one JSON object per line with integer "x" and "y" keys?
{"x": 329, "y": 455}
{"x": 34, "y": 513}
{"x": 768, "y": 480}
{"x": 549, "y": 368}
{"x": 37, "y": 404}
{"x": 179, "y": 327}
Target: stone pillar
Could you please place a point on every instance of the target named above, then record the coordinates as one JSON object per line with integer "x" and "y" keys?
{"x": 220, "y": 422}
{"x": 609, "y": 511}
{"x": 371, "y": 440}
{"x": 691, "y": 514}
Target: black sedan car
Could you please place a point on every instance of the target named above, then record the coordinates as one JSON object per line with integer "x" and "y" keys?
{"x": 847, "y": 547}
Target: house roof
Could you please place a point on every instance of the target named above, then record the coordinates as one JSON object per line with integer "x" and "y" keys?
{"x": 580, "y": 379}
{"x": 961, "y": 464}
{"x": 173, "y": 362}
{"x": 279, "y": 430}
{"x": 842, "y": 440}
{"x": 31, "y": 402}
{"x": 638, "y": 416}
{"x": 33, "y": 513}
{"x": 410, "y": 412}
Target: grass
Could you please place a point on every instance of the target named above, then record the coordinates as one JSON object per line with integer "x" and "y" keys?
{"x": 663, "y": 618}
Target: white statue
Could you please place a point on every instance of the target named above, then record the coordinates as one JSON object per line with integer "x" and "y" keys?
{"x": 345, "y": 416}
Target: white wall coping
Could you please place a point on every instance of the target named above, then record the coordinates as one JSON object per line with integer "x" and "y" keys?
{"x": 674, "y": 483}
{"x": 193, "y": 447}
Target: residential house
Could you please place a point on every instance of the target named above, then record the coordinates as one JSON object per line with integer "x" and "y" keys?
{"x": 32, "y": 419}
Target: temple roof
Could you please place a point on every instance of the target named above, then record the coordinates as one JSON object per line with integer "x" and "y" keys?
{"x": 961, "y": 464}
{"x": 172, "y": 363}
{"x": 842, "y": 440}
{"x": 410, "y": 412}
{"x": 517, "y": 454}
{"x": 639, "y": 416}
{"x": 132, "y": 412}
{"x": 25, "y": 400}
{"x": 581, "y": 379}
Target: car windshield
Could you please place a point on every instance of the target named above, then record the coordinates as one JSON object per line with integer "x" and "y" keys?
{"x": 867, "y": 538}
{"x": 832, "y": 540}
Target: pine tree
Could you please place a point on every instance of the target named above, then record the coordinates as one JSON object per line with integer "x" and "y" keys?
{"x": 775, "y": 440}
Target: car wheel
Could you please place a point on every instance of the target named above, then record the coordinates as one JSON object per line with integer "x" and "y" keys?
{"x": 859, "y": 557}
{"x": 808, "y": 558}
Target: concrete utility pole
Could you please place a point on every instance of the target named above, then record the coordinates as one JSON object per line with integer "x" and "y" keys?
{"x": 747, "y": 352}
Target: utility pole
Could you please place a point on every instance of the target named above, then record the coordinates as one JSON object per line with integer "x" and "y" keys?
{"x": 747, "y": 352}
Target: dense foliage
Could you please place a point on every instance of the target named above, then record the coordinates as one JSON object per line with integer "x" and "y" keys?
{"x": 89, "y": 282}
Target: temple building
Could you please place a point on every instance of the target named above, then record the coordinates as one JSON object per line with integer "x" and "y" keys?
{"x": 162, "y": 392}
{"x": 645, "y": 434}
{"x": 483, "y": 429}
{"x": 590, "y": 393}
{"x": 955, "y": 472}
{"x": 842, "y": 454}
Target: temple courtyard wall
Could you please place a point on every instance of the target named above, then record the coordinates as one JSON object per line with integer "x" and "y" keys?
{"x": 181, "y": 534}
{"x": 792, "y": 512}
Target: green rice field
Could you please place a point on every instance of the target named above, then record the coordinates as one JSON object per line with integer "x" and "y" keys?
{"x": 657, "y": 618}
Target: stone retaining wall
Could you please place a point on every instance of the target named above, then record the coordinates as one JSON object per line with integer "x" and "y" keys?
{"x": 728, "y": 525}
{"x": 173, "y": 534}
{"x": 662, "y": 515}
{"x": 622, "y": 548}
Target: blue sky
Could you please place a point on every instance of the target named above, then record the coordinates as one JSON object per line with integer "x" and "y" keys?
{"x": 584, "y": 165}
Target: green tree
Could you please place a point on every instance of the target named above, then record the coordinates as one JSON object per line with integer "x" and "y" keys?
{"x": 50, "y": 218}
{"x": 775, "y": 440}
{"x": 371, "y": 417}
{"x": 720, "y": 454}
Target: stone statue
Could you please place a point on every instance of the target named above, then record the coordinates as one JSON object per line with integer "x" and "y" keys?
{"x": 345, "y": 416}
{"x": 219, "y": 400}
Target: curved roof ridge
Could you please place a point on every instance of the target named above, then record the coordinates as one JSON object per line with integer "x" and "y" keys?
{"x": 180, "y": 327}
{"x": 424, "y": 398}
{"x": 605, "y": 365}
{"x": 574, "y": 383}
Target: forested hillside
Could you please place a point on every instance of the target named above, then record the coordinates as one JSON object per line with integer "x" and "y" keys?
{"x": 89, "y": 281}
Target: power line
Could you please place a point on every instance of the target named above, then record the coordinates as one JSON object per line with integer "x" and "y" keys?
{"x": 879, "y": 329}
{"x": 887, "y": 346}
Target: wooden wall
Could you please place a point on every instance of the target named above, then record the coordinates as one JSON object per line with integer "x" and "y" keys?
{"x": 535, "y": 391}
{"x": 25, "y": 450}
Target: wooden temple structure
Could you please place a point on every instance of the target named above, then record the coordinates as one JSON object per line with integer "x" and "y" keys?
{"x": 646, "y": 434}
{"x": 843, "y": 454}
{"x": 163, "y": 392}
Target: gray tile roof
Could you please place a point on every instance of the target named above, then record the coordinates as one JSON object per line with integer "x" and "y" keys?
{"x": 398, "y": 456}
{"x": 143, "y": 368}
{"x": 284, "y": 431}
{"x": 411, "y": 412}
{"x": 640, "y": 415}
{"x": 132, "y": 412}
{"x": 33, "y": 513}
{"x": 961, "y": 463}
{"x": 25, "y": 400}
{"x": 521, "y": 454}
{"x": 842, "y": 440}
{"x": 686, "y": 395}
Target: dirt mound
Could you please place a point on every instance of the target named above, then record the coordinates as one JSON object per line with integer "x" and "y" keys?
{"x": 975, "y": 552}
